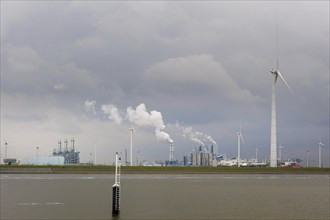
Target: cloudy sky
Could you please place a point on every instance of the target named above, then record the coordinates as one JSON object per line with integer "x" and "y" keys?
{"x": 187, "y": 71}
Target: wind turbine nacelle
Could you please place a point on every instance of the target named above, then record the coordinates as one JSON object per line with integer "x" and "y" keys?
{"x": 273, "y": 71}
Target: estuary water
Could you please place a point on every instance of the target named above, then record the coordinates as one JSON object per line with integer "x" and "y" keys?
{"x": 164, "y": 196}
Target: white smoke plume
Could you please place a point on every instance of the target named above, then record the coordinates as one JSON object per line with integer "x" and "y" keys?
{"x": 113, "y": 113}
{"x": 195, "y": 136}
{"x": 141, "y": 117}
{"x": 90, "y": 106}
{"x": 163, "y": 136}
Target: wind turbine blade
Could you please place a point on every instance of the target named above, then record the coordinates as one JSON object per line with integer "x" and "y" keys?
{"x": 277, "y": 62}
{"x": 240, "y": 132}
{"x": 276, "y": 76}
{"x": 282, "y": 78}
{"x": 241, "y": 137}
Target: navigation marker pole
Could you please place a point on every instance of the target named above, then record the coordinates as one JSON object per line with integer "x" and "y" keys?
{"x": 116, "y": 189}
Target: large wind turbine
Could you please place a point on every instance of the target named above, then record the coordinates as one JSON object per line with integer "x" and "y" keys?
{"x": 131, "y": 132}
{"x": 276, "y": 73}
{"x": 239, "y": 138}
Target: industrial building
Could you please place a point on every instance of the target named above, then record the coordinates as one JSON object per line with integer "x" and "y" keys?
{"x": 171, "y": 161}
{"x": 10, "y": 161}
{"x": 71, "y": 156}
{"x": 202, "y": 157}
{"x": 45, "y": 160}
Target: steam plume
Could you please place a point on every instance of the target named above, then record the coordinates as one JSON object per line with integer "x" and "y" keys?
{"x": 90, "y": 106}
{"x": 141, "y": 117}
{"x": 113, "y": 113}
{"x": 195, "y": 136}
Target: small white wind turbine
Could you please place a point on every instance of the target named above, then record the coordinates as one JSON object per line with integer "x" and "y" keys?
{"x": 239, "y": 138}
{"x": 307, "y": 158}
{"x": 276, "y": 73}
{"x": 320, "y": 153}
{"x": 256, "y": 155}
{"x": 131, "y": 129}
{"x": 280, "y": 152}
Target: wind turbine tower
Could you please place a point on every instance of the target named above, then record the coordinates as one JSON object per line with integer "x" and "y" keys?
{"x": 131, "y": 132}
{"x": 95, "y": 152}
{"x": 320, "y": 151}
{"x": 273, "y": 138}
{"x": 239, "y": 137}
{"x": 256, "y": 154}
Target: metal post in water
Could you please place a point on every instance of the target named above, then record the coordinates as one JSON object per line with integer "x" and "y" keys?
{"x": 116, "y": 189}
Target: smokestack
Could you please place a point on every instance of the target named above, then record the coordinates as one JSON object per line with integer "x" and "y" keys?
{"x": 60, "y": 145}
{"x": 66, "y": 144}
{"x": 72, "y": 142}
{"x": 171, "y": 151}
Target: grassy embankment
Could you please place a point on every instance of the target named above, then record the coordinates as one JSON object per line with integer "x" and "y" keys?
{"x": 161, "y": 170}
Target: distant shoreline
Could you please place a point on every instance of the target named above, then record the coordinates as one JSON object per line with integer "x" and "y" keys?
{"x": 157, "y": 170}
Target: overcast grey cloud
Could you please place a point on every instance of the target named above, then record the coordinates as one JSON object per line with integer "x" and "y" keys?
{"x": 72, "y": 68}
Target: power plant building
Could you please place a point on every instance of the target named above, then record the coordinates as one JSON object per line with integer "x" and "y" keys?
{"x": 70, "y": 155}
{"x": 202, "y": 157}
{"x": 44, "y": 160}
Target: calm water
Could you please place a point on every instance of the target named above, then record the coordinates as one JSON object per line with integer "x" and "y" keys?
{"x": 223, "y": 196}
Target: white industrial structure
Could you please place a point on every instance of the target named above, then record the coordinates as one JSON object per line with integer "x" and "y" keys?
{"x": 202, "y": 157}
{"x": 45, "y": 160}
{"x": 171, "y": 151}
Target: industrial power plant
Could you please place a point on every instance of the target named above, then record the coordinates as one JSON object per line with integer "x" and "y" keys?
{"x": 62, "y": 155}
{"x": 71, "y": 156}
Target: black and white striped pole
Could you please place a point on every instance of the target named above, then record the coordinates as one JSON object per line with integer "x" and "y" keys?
{"x": 116, "y": 189}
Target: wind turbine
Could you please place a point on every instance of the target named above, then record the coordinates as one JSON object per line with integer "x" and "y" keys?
{"x": 280, "y": 157}
{"x": 239, "y": 138}
{"x": 131, "y": 131}
{"x": 95, "y": 152}
{"x": 276, "y": 73}
{"x": 307, "y": 155}
{"x": 256, "y": 155}
{"x": 320, "y": 151}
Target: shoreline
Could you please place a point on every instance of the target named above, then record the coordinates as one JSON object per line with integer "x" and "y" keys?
{"x": 157, "y": 170}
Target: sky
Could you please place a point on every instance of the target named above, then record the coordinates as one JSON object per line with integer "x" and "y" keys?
{"x": 191, "y": 72}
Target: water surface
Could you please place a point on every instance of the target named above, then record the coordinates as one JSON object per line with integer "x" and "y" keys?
{"x": 163, "y": 196}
